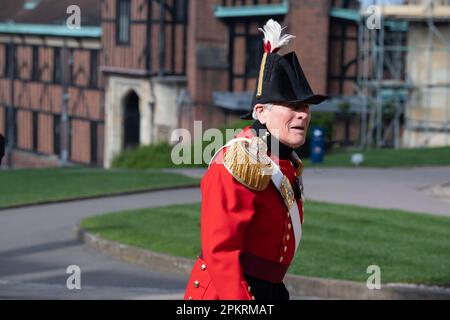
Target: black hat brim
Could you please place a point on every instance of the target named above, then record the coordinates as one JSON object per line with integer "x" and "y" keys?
{"x": 314, "y": 99}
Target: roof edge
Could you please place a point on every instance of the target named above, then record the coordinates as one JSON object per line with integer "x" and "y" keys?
{"x": 50, "y": 30}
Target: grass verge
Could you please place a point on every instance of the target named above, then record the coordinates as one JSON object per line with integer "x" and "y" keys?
{"x": 18, "y": 187}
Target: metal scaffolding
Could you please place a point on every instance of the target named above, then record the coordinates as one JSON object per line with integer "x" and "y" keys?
{"x": 385, "y": 82}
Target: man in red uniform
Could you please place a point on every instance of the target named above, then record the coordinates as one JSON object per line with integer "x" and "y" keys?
{"x": 252, "y": 211}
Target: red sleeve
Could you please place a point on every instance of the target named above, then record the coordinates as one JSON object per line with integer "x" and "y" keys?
{"x": 227, "y": 209}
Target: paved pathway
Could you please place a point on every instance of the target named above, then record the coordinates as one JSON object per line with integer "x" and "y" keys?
{"x": 405, "y": 189}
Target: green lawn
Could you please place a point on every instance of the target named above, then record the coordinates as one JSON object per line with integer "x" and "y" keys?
{"x": 390, "y": 158}
{"x": 339, "y": 241}
{"x": 31, "y": 186}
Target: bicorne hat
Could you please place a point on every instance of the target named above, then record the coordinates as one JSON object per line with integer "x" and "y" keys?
{"x": 281, "y": 78}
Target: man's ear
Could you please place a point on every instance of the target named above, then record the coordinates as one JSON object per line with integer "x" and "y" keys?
{"x": 261, "y": 113}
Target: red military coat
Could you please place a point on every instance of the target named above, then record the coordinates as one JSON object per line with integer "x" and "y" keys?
{"x": 242, "y": 231}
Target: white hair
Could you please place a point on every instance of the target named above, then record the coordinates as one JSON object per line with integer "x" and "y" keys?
{"x": 266, "y": 105}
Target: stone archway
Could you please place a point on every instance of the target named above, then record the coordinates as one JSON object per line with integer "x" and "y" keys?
{"x": 127, "y": 115}
{"x": 139, "y": 111}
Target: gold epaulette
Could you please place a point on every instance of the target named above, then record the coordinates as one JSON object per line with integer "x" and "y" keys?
{"x": 248, "y": 163}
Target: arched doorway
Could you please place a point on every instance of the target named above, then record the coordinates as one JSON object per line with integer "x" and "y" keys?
{"x": 131, "y": 120}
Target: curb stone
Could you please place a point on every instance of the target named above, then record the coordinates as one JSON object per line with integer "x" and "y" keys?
{"x": 297, "y": 285}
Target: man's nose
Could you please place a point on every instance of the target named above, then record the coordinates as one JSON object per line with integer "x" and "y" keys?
{"x": 301, "y": 114}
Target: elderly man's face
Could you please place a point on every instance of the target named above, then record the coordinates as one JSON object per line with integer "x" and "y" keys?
{"x": 288, "y": 123}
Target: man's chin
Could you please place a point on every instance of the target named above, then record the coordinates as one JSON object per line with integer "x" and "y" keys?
{"x": 296, "y": 144}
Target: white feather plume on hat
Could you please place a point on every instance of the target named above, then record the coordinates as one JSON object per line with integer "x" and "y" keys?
{"x": 273, "y": 40}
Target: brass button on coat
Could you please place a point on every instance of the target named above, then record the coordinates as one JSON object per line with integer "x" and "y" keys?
{"x": 196, "y": 284}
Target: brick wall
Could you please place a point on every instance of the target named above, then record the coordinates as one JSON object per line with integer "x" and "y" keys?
{"x": 308, "y": 21}
{"x": 203, "y": 79}
{"x": 22, "y": 159}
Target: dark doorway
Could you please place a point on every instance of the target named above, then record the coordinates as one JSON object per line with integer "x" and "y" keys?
{"x": 131, "y": 121}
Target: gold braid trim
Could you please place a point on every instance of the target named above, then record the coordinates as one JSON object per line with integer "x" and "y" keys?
{"x": 253, "y": 171}
{"x": 261, "y": 75}
{"x": 300, "y": 167}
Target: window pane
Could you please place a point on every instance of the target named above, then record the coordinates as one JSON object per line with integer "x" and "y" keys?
{"x": 124, "y": 20}
{"x": 57, "y": 78}
{"x": 180, "y": 10}
{"x": 56, "y": 134}
{"x": 35, "y": 130}
{"x": 35, "y": 70}
{"x": 254, "y": 54}
{"x": 11, "y": 67}
{"x": 93, "y": 142}
{"x": 93, "y": 69}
